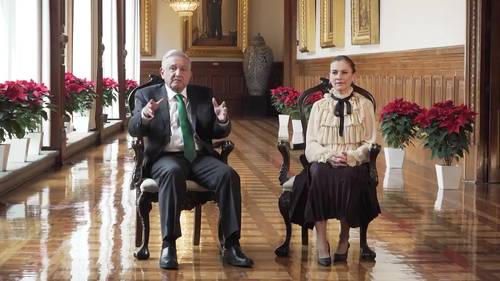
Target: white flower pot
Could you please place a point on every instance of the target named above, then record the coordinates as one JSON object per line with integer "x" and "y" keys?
{"x": 283, "y": 121}
{"x": 68, "y": 127}
{"x": 394, "y": 157}
{"x": 4, "y": 155}
{"x": 393, "y": 179}
{"x": 35, "y": 145}
{"x": 297, "y": 136}
{"x": 448, "y": 177}
{"x": 19, "y": 150}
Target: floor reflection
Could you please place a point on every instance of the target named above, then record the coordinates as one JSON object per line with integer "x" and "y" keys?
{"x": 79, "y": 223}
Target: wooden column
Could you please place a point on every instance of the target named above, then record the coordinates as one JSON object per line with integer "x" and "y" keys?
{"x": 482, "y": 86}
{"x": 57, "y": 67}
{"x": 97, "y": 9}
{"x": 122, "y": 53}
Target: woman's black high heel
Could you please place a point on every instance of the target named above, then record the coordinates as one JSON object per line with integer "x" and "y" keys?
{"x": 325, "y": 261}
{"x": 337, "y": 258}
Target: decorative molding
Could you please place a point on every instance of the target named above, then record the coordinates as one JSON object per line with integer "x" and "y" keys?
{"x": 307, "y": 25}
{"x": 331, "y": 27}
{"x": 365, "y": 23}
{"x": 147, "y": 25}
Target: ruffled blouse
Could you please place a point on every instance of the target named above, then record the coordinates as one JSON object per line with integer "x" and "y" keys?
{"x": 323, "y": 139}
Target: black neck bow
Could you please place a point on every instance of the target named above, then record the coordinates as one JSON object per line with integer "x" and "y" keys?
{"x": 339, "y": 111}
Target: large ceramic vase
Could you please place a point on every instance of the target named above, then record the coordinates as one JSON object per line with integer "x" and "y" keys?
{"x": 257, "y": 64}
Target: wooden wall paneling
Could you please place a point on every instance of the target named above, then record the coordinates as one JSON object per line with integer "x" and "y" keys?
{"x": 417, "y": 82}
{"x": 427, "y": 94}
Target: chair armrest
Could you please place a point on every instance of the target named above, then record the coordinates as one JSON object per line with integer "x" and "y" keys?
{"x": 138, "y": 147}
{"x": 226, "y": 147}
{"x": 284, "y": 149}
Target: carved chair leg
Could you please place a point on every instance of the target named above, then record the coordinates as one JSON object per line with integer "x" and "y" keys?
{"x": 284, "y": 206}
{"x": 144, "y": 207}
{"x": 138, "y": 222}
{"x": 365, "y": 252}
{"x": 197, "y": 225}
{"x": 305, "y": 236}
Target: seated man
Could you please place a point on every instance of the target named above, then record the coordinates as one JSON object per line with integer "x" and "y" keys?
{"x": 180, "y": 122}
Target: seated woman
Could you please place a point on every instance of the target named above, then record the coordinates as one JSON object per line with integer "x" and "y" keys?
{"x": 340, "y": 131}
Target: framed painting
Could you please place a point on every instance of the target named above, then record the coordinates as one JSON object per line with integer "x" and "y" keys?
{"x": 217, "y": 29}
{"x": 332, "y": 28}
{"x": 306, "y": 25}
{"x": 365, "y": 22}
{"x": 147, "y": 24}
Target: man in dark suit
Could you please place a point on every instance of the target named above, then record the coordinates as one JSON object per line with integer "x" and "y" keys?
{"x": 180, "y": 121}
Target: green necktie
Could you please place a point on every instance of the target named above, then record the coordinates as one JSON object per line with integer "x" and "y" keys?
{"x": 187, "y": 134}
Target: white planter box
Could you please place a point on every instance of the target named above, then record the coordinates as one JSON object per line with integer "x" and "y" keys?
{"x": 394, "y": 157}
{"x": 283, "y": 121}
{"x": 448, "y": 177}
{"x": 19, "y": 150}
{"x": 393, "y": 179}
{"x": 297, "y": 136}
{"x": 4, "y": 156}
{"x": 35, "y": 143}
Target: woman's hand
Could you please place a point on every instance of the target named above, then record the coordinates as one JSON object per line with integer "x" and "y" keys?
{"x": 339, "y": 160}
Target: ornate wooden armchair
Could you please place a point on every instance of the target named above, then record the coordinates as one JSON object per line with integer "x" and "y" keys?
{"x": 147, "y": 189}
{"x": 287, "y": 181}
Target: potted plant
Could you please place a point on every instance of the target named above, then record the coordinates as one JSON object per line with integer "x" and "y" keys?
{"x": 286, "y": 101}
{"x": 397, "y": 121}
{"x": 130, "y": 85}
{"x": 22, "y": 105}
{"x": 79, "y": 96}
{"x": 110, "y": 87}
{"x": 445, "y": 130}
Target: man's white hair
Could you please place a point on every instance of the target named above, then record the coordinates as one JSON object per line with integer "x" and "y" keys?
{"x": 174, "y": 53}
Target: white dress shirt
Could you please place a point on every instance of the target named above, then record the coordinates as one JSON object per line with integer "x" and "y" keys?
{"x": 176, "y": 142}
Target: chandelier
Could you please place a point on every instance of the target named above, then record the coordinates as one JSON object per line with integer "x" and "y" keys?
{"x": 184, "y": 7}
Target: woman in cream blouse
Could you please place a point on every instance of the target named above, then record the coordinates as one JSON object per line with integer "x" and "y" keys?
{"x": 339, "y": 133}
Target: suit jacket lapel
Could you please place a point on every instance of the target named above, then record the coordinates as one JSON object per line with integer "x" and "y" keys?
{"x": 192, "y": 111}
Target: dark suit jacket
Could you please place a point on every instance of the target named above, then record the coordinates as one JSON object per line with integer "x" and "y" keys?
{"x": 205, "y": 124}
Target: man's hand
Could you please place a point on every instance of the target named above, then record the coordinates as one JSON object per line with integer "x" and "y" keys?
{"x": 338, "y": 160}
{"x": 220, "y": 110}
{"x": 150, "y": 108}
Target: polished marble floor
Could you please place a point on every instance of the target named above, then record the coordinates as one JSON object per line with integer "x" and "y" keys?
{"x": 78, "y": 222}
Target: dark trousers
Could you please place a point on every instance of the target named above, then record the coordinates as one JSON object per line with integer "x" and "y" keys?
{"x": 171, "y": 170}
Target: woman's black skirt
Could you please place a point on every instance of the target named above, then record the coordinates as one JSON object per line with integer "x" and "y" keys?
{"x": 323, "y": 192}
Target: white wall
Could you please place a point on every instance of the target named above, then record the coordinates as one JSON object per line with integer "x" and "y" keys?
{"x": 404, "y": 25}
{"x": 168, "y": 30}
{"x": 265, "y": 16}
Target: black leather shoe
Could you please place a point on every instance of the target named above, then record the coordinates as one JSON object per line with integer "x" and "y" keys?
{"x": 325, "y": 261}
{"x": 367, "y": 254}
{"x": 337, "y": 258}
{"x": 168, "y": 258}
{"x": 235, "y": 256}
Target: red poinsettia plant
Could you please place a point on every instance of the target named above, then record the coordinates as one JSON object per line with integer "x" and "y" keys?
{"x": 109, "y": 89}
{"x": 130, "y": 85}
{"x": 397, "y": 121}
{"x": 22, "y": 105}
{"x": 79, "y": 94}
{"x": 286, "y": 101}
{"x": 445, "y": 129}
